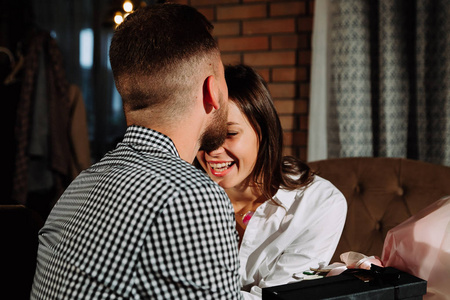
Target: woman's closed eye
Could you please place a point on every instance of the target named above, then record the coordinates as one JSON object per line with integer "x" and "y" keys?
{"x": 231, "y": 133}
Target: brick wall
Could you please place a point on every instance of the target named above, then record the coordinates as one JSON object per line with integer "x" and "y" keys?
{"x": 275, "y": 38}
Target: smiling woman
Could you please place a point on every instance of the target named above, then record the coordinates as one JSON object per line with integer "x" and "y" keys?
{"x": 237, "y": 156}
{"x": 278, "y": 201}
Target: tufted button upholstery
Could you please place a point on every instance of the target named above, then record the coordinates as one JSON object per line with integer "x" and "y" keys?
{"x": 381, "y": 193}
{"x": 378, "y": 226}
{"x": 358, "y": 189}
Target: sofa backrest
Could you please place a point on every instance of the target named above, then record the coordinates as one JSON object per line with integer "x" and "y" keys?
{"x": 381, "y": 193}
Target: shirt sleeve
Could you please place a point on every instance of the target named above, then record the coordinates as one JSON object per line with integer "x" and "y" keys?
{"x": 317, "y": 226}
{"x": 191, "y": 250}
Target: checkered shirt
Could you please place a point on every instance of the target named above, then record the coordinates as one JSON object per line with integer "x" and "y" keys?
{"x": 140, "y": 224}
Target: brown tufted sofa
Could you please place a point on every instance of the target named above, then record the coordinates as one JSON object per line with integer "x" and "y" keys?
{"x": 381, "y": 193}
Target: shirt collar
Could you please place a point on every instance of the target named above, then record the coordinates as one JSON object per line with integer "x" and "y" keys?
{"x": 285, "y": 198}
{"x": 148, "y": 138}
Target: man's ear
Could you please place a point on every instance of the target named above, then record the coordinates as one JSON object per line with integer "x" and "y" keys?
{"x": 210, "y": 94}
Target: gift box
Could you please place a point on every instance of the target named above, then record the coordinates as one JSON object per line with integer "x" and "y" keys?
{"x": 377, "y": 283}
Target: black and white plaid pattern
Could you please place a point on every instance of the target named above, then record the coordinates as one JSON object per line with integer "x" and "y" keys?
{"x": 140, "y": 224}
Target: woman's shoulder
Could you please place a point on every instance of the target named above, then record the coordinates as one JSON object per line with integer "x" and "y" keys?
{"x": 317, "y": 184}
{"x": 325, "y": 196}
{"x": 322, "y": 186}
{"x": 319, "y": 192}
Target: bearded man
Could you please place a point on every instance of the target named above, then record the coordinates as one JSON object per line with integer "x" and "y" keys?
{"x": 143, "y": 223}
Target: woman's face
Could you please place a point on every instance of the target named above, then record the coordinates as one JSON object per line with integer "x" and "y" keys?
{"x": 232, "y": 163}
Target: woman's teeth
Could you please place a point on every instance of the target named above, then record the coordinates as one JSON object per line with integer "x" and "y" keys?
{"x": 220, "y": 167}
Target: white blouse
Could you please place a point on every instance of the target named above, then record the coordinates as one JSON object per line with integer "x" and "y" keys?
{"x": 299, "y": 233}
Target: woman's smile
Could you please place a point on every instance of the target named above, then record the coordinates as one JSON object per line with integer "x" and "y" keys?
{"x": 220, "y": 169}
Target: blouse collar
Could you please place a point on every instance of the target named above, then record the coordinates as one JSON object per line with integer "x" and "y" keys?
{"x": 285, "y": 198}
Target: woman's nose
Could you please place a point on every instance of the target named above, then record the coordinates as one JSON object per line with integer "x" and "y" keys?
{"x": 217, "y": 151}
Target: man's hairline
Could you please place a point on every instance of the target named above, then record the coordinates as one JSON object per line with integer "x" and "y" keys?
{"x": 211, "y": 58}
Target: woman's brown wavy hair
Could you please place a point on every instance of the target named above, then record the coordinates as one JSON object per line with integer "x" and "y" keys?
{"x": 248, "y": 90}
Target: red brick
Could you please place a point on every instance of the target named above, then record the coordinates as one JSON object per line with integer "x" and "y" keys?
{"x": 231, "y": 59}
{"x": 288, "y": 151}
{"x": 304, "y": 90}
{"x": 208, "y": 12}
{"x": 244, "y": 43}
{"x": 300, "y": 41}
{"x": 304, "y": 57}
{"x": 284, "y": 106}
{"x": 300, "y": 138}
{"x": 283, "y": 90}
{"x": 290, "y": 74}
{"x": 311, "y": 7}
{"x": 264, "y": 72}
{"x": 301, "y": 107}
{"x": 287, "y": 9}
{"x": 269, "y": 26}
{"x": 302, "y": 153}
{"x": 241, "y": 12}
{"x": 288, "y": 122}
{"x": 305, "y": 24}
{"x": 271, "y": 58}
{"x": 212, "y": 2}
{"x": 287, "y": 138}
{"x": 284, "y": 42}
{"x": 304, "y": 122}
{"x": 291, "y": 106}
{"x": 304, "y": 40}
{"x": 226, "y": 28}
{"x": 295, "y": 138}
{"x": 185, "y": 2}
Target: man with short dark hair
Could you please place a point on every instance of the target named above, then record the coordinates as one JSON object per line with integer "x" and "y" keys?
{"x": 143, "y": 223}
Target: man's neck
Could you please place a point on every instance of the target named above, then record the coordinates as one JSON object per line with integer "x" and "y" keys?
{"x": 186, "y": 142}
{"x": 185, "y": 134}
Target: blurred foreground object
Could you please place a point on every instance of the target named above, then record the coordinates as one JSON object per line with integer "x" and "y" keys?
{"x": 421, "y": 246}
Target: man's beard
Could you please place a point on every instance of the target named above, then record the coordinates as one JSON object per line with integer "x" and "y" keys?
{"x": 216, "y": 132}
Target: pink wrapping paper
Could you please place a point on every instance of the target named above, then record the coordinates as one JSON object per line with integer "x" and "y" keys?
{"x": 421, "y": 246}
